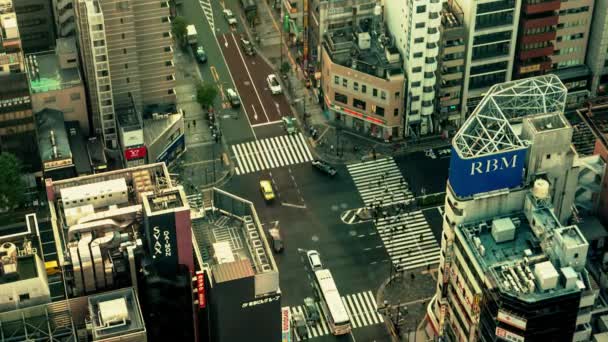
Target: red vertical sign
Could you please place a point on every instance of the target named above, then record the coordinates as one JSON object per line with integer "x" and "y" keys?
{"x": 200, "y": 288}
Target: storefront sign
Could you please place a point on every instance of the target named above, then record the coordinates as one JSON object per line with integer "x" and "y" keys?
{"x": 353, "y": 113}
{"x": 529, "y": 68}
{"x": 508, "y": 336}
{"x": 200, "y": 289}
{"x": 57, "y": 163}
{"x": 511, "y": 320}
{"x": 261, "y": 301}
{"x": 135, "y": 153}
{"x": 285, "y": 325}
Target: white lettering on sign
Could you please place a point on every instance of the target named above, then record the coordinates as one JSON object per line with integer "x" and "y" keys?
{"x": 492, "y": 165}
{"x": 158, "y": 243}
{"x": 261, "y": 301}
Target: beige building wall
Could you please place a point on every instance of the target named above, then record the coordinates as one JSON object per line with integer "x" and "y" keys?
{"x": 352, "y": 84}
{"x": 572, "y": 33}
{"x": 71, "y": 101}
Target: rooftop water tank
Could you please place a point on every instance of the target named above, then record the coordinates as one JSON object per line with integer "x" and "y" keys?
{"x": 541, "y": 189}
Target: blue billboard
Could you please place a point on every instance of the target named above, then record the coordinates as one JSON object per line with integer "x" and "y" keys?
{"x": 472, "y": 176}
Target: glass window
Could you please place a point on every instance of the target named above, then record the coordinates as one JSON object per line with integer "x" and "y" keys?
{"x": 374, "y": 92}
{"x": 359, "y": 104}
{"x": 341, "y": 98}
{"x": 336, "y": 80}
{"x": 363, "y": 88}
{"x": 421, "y": 9}
{"x": 344, "y": 82}
{"x": 356, "y": 86}
{"x": 383, "y": 95}
{"x": 379, "y": 110}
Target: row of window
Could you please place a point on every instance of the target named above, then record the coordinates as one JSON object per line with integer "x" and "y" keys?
{"x": 362, "y": 105}
{"x": 53, "y": 99}
{"x": 363, "y": 87}
{"x": 574, "y": 10}
{"x": 579, "y": 35}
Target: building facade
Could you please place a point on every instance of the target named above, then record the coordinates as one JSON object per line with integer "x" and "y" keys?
{"x": 505, "y": 239}
{"x": 132, "y": 42}
{"x": 416, "y": 29}
{"x": 597, "y": 53}
{"x": 65, "y": 23}
{"x": 363, "y": 82}
{"x": 491, "y": 41}
{"x": 36, "y": 25}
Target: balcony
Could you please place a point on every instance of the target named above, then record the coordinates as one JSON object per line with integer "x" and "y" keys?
{"x": 529, "y": 23}
{"x": 540, "y": 37}
{"x": 535, "y": 53}
{"x": 536, "y": 6}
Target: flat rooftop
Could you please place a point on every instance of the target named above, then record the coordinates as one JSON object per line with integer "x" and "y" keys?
{"x": 128, "y": 118}
{"x": 45, "y": 74}
{"x": 154, "y": 128}
{"x": 53, "y": 140}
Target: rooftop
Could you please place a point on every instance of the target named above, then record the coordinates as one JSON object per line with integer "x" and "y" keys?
{"x": 128, "y": 118}
{"x": 53, "y": 141}
{"x": 45, "y": 74}
{"x": 115, "y": 313}
{"x": 78, "y": 146}
{"x": 154, "y": 128}
{"x": 364, "y": 49}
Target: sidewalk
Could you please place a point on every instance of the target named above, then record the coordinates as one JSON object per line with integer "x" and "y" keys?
{"x": 305, "y": 104}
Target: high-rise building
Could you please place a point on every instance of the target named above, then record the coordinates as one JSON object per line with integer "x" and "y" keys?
{"x": 415, "y": 26}
{"x": 491, "y": 41}
{"x": 36, "y": 25}
{"x": 510, "y": 264}
{"x": 450, "y": 69}
{"x": 63, "y": 11}
{"x": 129, "y": 45}
{"x": 597, "y": 51}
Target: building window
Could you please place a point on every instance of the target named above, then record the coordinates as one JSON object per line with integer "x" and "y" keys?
{"x": 419, "y": 40}
{"x": 170, "y": 77}
{"x": 364, "y": 89}
{"x": 420, "y": 25}
{"x": 123, "y": 35}
{"x": 417, "y": 69}
{"x": 166, "y": 34}
{"x": 379, "y": 110}
{"x": 383, "y": 95}
{"x": 416, "y": 84}
{"x": 417, "y": 54}
{"x": 397, "y": 94}
{"x": 170, "y": 91}
{"x": 124, "y": 51}
{"x": 341, "y": 98}
{"x": 165, "y": 19}
{"x": 128, "y": 80}
{"x": 375, "y": 92}
{"x": 99, "y": 43}
{"x": 164, "y": 4}
{"x": 168, "y": 63}
{"x": 75, "y": 96}
{"x": 396, "y": 112}
{"x": 336, "y": 80}
{"x": 98, "y": 27}
{"x": 344, "y": 82}
{"x": 421, "y": 9}
{"x": 356, "y": 86}
{"x": 358, "y": 103}
{"x": 126, "y": 65}
{"x": 167, "y": 49}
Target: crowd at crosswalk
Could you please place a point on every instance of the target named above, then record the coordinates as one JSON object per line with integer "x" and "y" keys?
{"x": 271, "y": 153}
{"x": 361, "y": 308}
{"x": 406, "y": 235}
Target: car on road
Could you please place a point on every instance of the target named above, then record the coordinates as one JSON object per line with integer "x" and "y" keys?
{"x": 289, "y": 124}
{"x": 247, "y": 47}
{"x": 229, "y": 16}
{"x": 267, "y": 191}
{"x": 233, "y": 98}
{"x": 314, "y": 259}
{"x": 311, "y": 312}
{"x": 324, "y": 167}
{"x": 273, "y": 84}
{"x": 201, "y": 55}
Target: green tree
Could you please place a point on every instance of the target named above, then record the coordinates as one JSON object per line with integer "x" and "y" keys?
{"x": 205, "y": 95}
{"x": 12, "y": 186}
{"x": 285, "y": 67}
{"x": 179, "y": 29}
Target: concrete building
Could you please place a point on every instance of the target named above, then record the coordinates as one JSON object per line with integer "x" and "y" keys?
{"x": 36, "y": 24}
{"x": 573, "y": 31}
{"x": 130, "y": 45}
{"x": 597, "y": 51}
{"x": 164, "y": 138}
{"x": 510, "y": 265}
{"x": 54, "y": 145}
{"x": 450, "y": 69}
{"x": 416, "y": 31}
{"x": 363, "y": 80}
{"x": 63, "y": 12}
{"x": 56, "y": 83}
{"x": 491, "y": 41}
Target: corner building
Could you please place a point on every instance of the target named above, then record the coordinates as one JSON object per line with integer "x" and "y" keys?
{"x": 511, "y": 267}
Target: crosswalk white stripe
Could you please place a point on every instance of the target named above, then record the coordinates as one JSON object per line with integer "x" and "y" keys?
{"x": 268, "y": 146}
{"x": 261, "y": 154}
{"x": 266, "y": 155}
{"x": 322, "y": 320}
{"x": 237, "y": 170}
{"x": 294, "y": 144}
{"x": 360, "y": 310}
{"x": 279, "y": 143}
{"x": 305, "y": 145}
{"x": 354, "y": 320}
{"x": 238, "y": 159}
{"x": 366, "y": 306}
{"x": 290, "y": 151}
{"x": 245, "y": 163}
{"x": 246, "y": 155}
{"x": 275, "y": 148}
{"x": 258, "y": 155}
{"x": 310, "y": 333}
{"x": 370, "y": 301}
{"x": 300, "y": 148}
{"x": 252, "y": 156}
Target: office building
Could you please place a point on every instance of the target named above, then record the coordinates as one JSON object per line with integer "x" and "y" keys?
{"x": 56, "y": 83}
{"x": 511, "y": 266}
{"x": 36, "y": 24}
{"x": 415, "y": 27}
{"x": 491, "y": 42}
{"x": 127, "y": 53}
{"x": 240, "y": 279}
{"x": 450, "y": 70}
{"x": 597, "y": 51}
{"x": 363, "y": 79}
{"x": 65, "y": 23}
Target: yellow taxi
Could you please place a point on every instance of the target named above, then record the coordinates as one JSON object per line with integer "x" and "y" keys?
{"x": 266, "y": 189}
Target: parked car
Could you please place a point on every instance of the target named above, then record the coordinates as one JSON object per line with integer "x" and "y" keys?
{"x": 233, "y": 98}
{"x": 324, "y": 167}
{"x": 314, "y": 259}
{"x": 229, "y": 16}
{"x": 311, "y": 312}
{"x": 273, "y": 84}
{"x": 247, "y": 47}
{"x": 267, "y": 191}
{"x": 289, "y": 125}
{"x": 201, "y": 55}
{"x": 276, "y": 239}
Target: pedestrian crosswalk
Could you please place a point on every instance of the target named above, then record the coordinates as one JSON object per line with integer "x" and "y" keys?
{"x": 380, "y": 182}
{"x": 271, "y": 153}
{"x": 361, "y": 308}
{"x": 407, "y": 236}
{"x": 208, "y": 10}
{"x": 408, "y": 240}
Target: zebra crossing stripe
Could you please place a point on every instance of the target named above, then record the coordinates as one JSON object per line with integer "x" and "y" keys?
{"x": 304, "y": 146}
{"x": 270, "y": 153}
{"x": 354, "y": 319}
{"x": 323, "y": 325}
{"x": 367, "y": 315}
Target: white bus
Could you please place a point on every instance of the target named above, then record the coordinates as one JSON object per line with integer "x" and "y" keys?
{"x": 331, "y": 303}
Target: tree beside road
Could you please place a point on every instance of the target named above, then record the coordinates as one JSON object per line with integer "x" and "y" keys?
{"x": 179, "y": 29}
{"x": 205, "y": 95}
